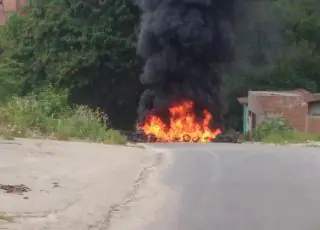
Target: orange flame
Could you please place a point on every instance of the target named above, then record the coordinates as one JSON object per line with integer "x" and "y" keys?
{"x": 183, "y": 125}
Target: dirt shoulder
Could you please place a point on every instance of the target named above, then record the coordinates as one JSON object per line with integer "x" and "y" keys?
{"x": 66, "y": 185}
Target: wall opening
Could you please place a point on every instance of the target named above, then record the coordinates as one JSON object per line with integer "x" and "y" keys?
{"x": 314, "y": 108}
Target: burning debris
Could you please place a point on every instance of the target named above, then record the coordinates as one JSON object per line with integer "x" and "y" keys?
{"x": 140, "y": 137}
{"x": 183, "y": 41}
{"x": 183, "y": 125}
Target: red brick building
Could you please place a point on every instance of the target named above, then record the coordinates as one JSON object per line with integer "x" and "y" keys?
{"x": 300, "y": 107}
{"x": 9, "y": 6}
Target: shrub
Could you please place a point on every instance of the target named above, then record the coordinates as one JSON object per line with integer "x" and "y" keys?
{"x": 10, "y": 70}
{"x": 48, "y": 114}
{"x": 271, "y": 125}
{"x": 277, "y": 130}
{"x": 88, "y": 47}
{"x": 10, "y": 80}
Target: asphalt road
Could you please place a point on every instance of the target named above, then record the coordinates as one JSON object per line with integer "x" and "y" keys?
{"x": 240, "y": 187}
{"x": 160, "y": 187}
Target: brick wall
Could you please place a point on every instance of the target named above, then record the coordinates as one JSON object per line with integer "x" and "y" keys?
{"x": 314, "y": 124}
{"x": 22, "y": 3}
{"x": 291, "y": 106}
{"x": 297, "y": 116}
{"x": 9, "y": 6}
{"x": 3, "y": 18}
{"x": 254, "y": 106}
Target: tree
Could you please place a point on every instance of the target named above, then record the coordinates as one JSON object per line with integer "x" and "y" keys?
{"x": 277, "y": 48}
{"x": 87, "y": 46}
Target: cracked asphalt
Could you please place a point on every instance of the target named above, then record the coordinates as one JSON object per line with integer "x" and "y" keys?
{"x": 73, "y": 185}
{"x": 160, "y": 187}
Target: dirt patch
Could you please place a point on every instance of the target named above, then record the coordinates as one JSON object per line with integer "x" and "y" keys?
{"x": 15, "y": 189}
{"x": 6, "y": 218}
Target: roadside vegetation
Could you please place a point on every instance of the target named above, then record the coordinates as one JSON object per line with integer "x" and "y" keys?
{"x": 54, "y": 82}
{"x": 60, "y": 55}
{"x": 49, "y": 115}
{"x": 277, "y": 130}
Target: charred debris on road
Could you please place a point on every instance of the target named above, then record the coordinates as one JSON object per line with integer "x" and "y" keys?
{"x": 139, "y": 136}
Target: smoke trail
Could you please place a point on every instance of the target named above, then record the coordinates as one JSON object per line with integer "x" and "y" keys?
{"x": 183, "y": 41}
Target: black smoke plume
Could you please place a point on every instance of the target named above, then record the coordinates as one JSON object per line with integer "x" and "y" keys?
{"x": 183, "y": 42}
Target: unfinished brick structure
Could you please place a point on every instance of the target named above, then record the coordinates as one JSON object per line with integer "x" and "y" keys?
{"x": 300, "y": 107}
{"x": 9, "y": 6}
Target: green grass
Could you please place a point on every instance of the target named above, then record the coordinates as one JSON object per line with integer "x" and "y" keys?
{"x": 49, "y": 115}
{"x": 289, "y": 137}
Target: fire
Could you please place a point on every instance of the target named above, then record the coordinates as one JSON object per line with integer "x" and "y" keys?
{"x": 183, "y": 127}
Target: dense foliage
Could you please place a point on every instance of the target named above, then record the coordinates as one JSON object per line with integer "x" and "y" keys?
{"x": 85, "y": 46}
{"x": 277, "y": 48}
{"x": 88, "y": 47}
